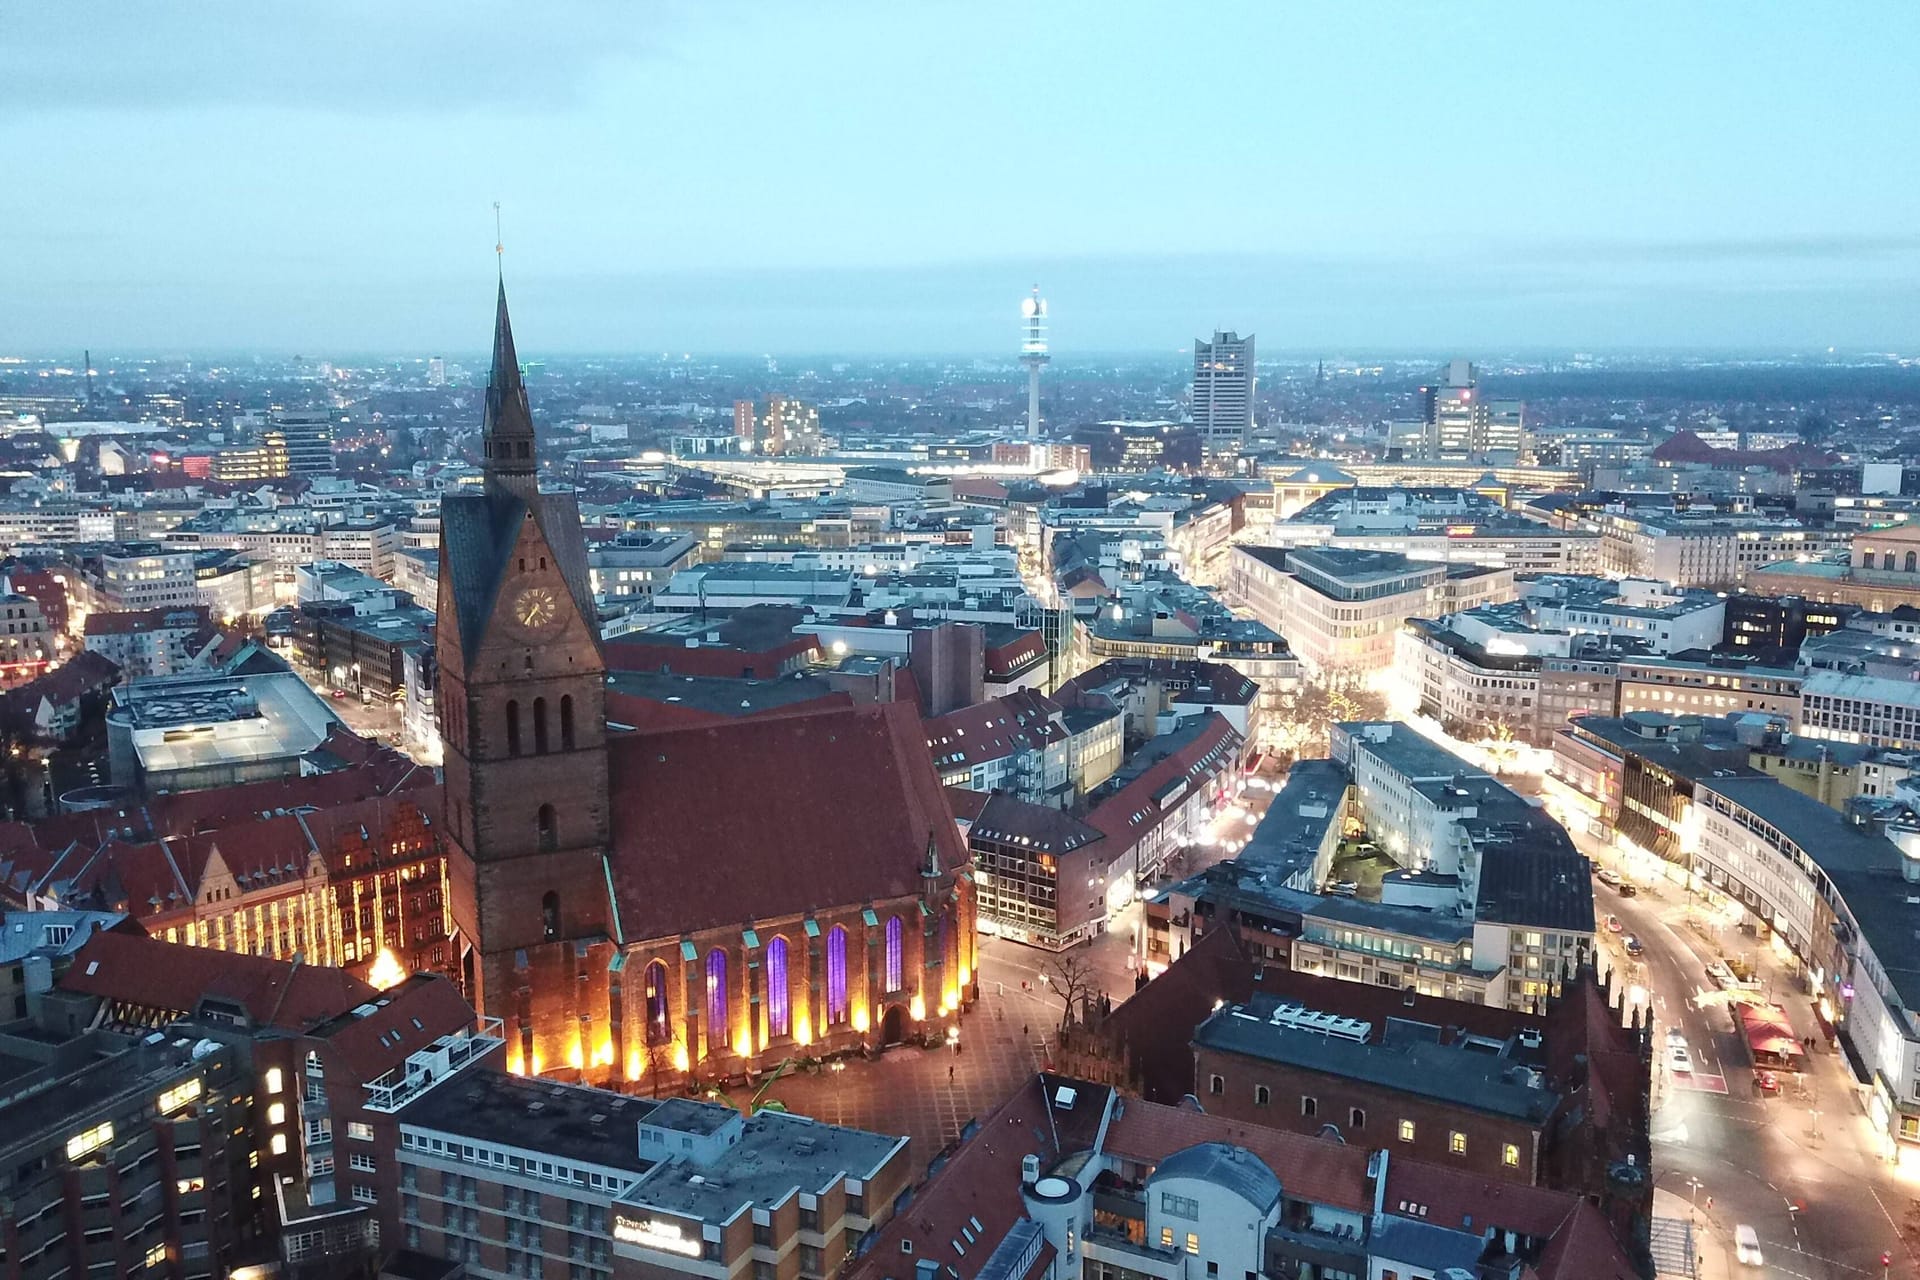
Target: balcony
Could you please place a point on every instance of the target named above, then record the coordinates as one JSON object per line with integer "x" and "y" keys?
{"x": 433, "y": 1064}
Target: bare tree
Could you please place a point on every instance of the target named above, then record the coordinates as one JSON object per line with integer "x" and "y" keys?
{"x": 1309, "y": 712}
{"x": 1070, "y": 974}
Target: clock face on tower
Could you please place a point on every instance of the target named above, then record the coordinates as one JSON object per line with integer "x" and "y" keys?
{"x": 535, "y": 609}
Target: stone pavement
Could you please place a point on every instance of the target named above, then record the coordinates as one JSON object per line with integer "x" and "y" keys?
{"x": 927, "y": 1094}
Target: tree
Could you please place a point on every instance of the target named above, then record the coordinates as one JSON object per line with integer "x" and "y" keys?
{"x": 1070, "y": 974}
{"x": 1309, "y": 713}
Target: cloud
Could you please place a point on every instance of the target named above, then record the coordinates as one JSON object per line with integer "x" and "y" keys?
{"x": 355, "y": 57}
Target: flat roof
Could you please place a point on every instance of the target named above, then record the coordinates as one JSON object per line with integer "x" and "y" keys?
{"x": 1287, "y": 838}
{"x": 570, "y": 1121}
{"x": 1413, "y": 1060}
{"x": 777, "y": 1155}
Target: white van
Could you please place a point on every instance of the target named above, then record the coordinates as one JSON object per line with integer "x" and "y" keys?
{"x": 1746, "y": 1245}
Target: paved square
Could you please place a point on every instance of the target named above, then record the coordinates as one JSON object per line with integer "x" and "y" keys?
{"x": 908, "y": 1090}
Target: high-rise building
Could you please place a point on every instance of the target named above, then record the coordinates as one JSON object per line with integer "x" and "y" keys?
{"x": 1223, "y": 391}
{"x": 790, "y": 426}
{"x": 1460, "y": 422}
{"x": 437, "y": 372}
{"x": 1033, "y": 354}
{"x": 308, "y": 438}
{"x": 744, "y": 421}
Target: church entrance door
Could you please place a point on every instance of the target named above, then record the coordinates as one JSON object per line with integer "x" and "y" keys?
{"x": 893, "y": 1026}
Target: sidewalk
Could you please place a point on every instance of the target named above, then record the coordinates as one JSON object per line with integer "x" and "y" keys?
{"x": 1712, "y": 1243}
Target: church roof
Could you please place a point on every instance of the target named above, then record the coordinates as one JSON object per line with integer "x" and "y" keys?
{"x": 760, "y": 819}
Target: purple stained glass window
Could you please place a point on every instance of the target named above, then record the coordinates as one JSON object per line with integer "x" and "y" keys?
{"x": 657, "y": 1032}
{"x": 837, "y": 975}
{"x": 717, "y": 1025}
{"x": 895, "y": 961}
{"x": 779, "y": 1007}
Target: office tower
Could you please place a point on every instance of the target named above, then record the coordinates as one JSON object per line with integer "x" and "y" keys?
{"x": 1223, "y": 391}
{"x": 1033, "y": 354}
{"x": 437, "y": 372}
{"x": 308, "y": 437}
{"x": 743, "y": 420}
{"x": 1462, "y": 423}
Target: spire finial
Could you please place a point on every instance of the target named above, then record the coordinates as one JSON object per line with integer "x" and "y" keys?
{"x": 499, "y": 241}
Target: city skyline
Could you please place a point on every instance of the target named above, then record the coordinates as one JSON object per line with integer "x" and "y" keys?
{"x": 1331, "y": 179}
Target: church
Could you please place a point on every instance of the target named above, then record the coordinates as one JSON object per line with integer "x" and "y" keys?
{"x": 651, "y": 909}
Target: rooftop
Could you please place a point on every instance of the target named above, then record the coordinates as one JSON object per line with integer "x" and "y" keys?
{"x": 1407, "y": 1057}
{"x": 777, "y": 1155}
{"x": 570, "y": 1121}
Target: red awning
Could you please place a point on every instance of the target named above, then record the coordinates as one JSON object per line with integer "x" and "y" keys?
{"x": 1768, "y": 1031}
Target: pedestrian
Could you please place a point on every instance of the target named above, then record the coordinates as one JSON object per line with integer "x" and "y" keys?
{"x": 1023, "y": 1031}
{"x": 949, "y": 1073}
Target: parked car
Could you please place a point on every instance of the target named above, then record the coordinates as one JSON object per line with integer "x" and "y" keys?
{"x": 1766, "y": 1082}
{"x": 1614, "y": 925}
{"x": 1343, "y": 888}
{"x": 1627, "y": 888}
{"x": 1634, "y": 946}
{"x": 1746, "y": 1245}
{"x": 1721, "y": 975}
{"x": 1606, "y": 877}
{"x": 1679, "y": 1061}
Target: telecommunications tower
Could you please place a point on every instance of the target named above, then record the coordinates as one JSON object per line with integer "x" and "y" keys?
{"x": 1033, "y": 354}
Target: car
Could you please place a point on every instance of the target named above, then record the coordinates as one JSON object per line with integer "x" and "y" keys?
{"x": 340, "y": 694}
{"x": 1343, "y": 888}
{"x": 1606, "y": 877}
{"x": 1614, "y": 925}
{"x": 1627, "y": 889}
{"x": 1766, "y": 1082}
{"x": 1633, "y": 945}
{"x": 1746, "y": 1245}
{"x": 1679, "y": 1061}
{"x": 1721, "y": 975}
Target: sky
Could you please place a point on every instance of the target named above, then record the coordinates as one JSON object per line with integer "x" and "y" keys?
{"x": 813, "y": 176}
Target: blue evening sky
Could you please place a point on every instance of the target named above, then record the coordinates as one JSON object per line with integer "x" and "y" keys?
{"x": 810, "y": 176}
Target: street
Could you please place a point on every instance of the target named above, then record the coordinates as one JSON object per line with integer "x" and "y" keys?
{"x": 1798, "y": 1166}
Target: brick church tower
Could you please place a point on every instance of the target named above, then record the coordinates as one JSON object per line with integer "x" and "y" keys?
{"x": 522, "y": 715}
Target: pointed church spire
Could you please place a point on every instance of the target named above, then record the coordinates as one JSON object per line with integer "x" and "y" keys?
{"x": 508, "y": 436}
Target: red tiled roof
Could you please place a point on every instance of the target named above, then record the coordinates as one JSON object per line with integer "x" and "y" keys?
{"x": 758, "y": 819}
{"x": 1323, "y": 1170}
{"x": 725, "y": 661}
{"x": 966, "y": 805}
{"x": 406, "y": 1019}
{"x": 1685, "y": 446}
{"x": 194, "y": 617}
{"x": 81, "y": 674}
{"x": 980, "y": 1183}
{"x": 1131, "y": 810}
{"x": 1452, "y": 1197}
{"x": 167, "y": 976}
{"x": 386, "y": 772}
{"x": 994, "y": 729}
{"x": 1584, "y": 1248}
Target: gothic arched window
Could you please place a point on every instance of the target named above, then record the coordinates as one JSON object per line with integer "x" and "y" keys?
{"x": 550, "y": 915}
{"x": 549, "y": 830}
{"x": 779, "y": 995}
{"x": 837, "y": 975}
{"x": 717, "y": 1024}
{"x": 657, "y": 1029}
{"x": 513, "y": 728}
{"x": 896, "y": 960}
{"x": 539, "y": 726}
